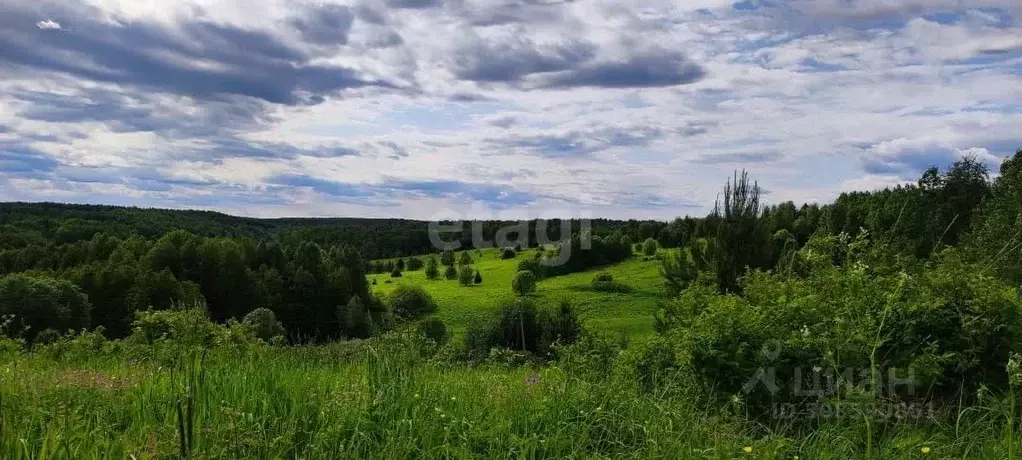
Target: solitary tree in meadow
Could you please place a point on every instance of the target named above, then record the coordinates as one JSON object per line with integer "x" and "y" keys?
{"x": 466, "y": 275}
{"x": 432, "y": 269}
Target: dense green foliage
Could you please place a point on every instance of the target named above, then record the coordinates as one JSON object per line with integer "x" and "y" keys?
{"x": 411, "y": 302}
{"x": 524, "y": 283}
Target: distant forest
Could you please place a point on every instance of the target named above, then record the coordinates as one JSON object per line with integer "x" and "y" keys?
{"x": 83, "y": 266}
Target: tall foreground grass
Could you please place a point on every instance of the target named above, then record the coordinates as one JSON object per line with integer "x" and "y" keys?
{"x": 383, "y": 399}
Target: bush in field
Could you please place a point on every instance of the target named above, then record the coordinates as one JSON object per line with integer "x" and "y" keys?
{"x": 478, "y": 278}
{"x": 396, "y": 273}
{"x": 451, "y": 272}
{"x": 447, "y": 258}
{"x": 604, "y": 282}
{"x": 524, "y": 283}
{"x": 400, "y": 265}
{"x": 465, "y": 275}
{"x": 532, "y": 264}
{"x": 508, "y": 253}
{"x": 465, "y": 259}
{"x": 40, "y": 303}
{"x": 414, "y": 264}
{"x": 560, "y": 325}
{"x": 433, "y": 329}
{"x": 46, "y": 337}
{"x": 649, "y": 247}
{"x": 263, "y": 323}
{"x": 409, "y": 302}
{"x": 357, "y": 319}
{"x": 432, "y": 269}
{"x": 187, "y": 327}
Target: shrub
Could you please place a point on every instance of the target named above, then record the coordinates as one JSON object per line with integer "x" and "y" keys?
{"x": 410, "y": 302}
{"x": 357, "y": 320}
{"x": 433, "y": 329}
{"x": 187, "y": 327}
{"x": 560, "y": 326}
{"x": 451, "y": 273}
{"x": 400, "y": 265}
{"x": 515, "y": 327}
{"x": 414, "y": 264}
{"x": 447, "y": 258}
{"x": 40, "y": 303}
{"x": 478, "y": 278}
{"x": 263, "y": 323}
{"x": 604, "y": 282}
{"x": 396, "y": 273}
{"x": 508, "y": 253}
{"x": 649, "y": 247}
{"x": 524, "y": 283}
{"x": 532, "y": 264}
{"x": 626, "y": 240}
{"x": 46, "y": 337}
{"x": 432, "y": 269}
{"x": 465, "y": 259}
{"x": 465, "y": 275}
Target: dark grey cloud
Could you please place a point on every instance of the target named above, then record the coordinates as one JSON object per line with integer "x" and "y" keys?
{"x": 391, "y": 188}
{"x": 396, "y": 151}
{"x": 414, "y": 4}
{"x": 578, "y": 142}
{"x": 24, "y": 160}
{"x": 740, "y": 157}
{"x": 649, "y": 69}
{"x": 326, "y": 187}
{"x": 569, "y": 64}
{"x": 138, "y": 177}
{"x": 370, "y": 13}
{"x": 513, "y": 11}
{"x": 157, "y": 57}
{"x": 139, "y": 111}
{"x": 235, "y": 147}
{"x": 909, "y": 163}
{"x": 510, "y": 61}
{"x": 325, "y": 24}
{"x": 388, "y": 39}
{"x": 494, "y": 195}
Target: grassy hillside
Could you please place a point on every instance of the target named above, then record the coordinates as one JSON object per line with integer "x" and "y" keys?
{"x": 630, "y": 313}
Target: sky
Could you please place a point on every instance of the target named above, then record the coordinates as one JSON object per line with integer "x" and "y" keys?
{"x": 440, "y": 109}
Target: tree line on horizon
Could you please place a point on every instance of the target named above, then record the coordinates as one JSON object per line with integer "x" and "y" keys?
{"x": 68, "y": 267}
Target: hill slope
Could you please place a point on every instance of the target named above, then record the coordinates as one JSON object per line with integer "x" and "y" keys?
{"x": 630, "y": 313}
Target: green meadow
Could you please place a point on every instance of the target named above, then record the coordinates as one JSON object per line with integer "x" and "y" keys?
{"x": 613, "y": 313}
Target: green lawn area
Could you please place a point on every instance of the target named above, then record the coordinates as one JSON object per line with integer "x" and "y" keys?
{"x": 612, "y": 313}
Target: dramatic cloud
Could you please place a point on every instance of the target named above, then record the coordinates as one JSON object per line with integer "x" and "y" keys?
{"x": 329, "y": 24}
{"x": 197, "y": 57}
{"x": 496, "y": 108}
